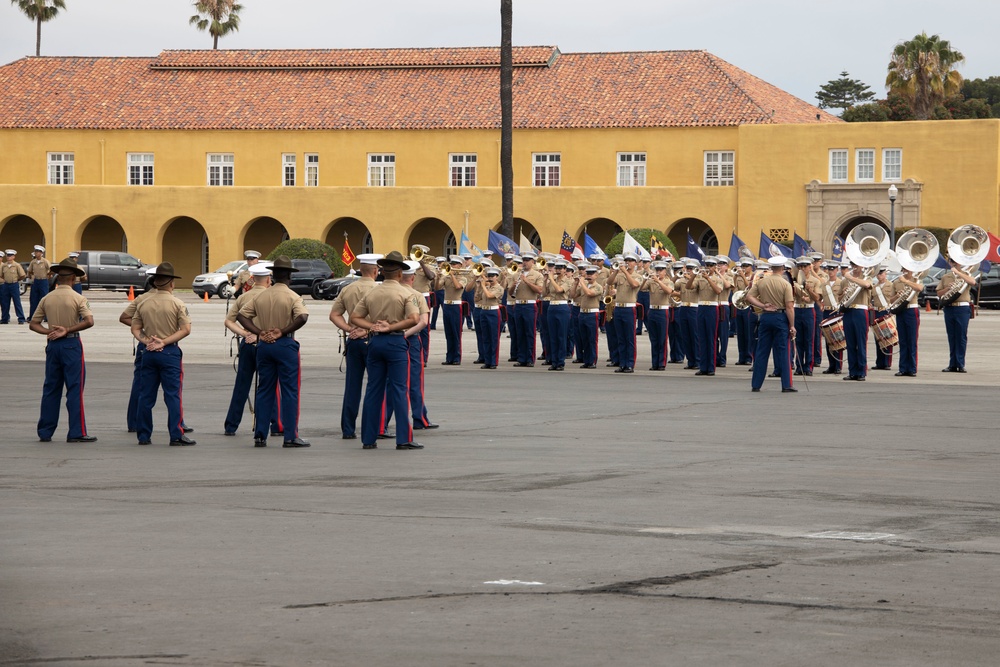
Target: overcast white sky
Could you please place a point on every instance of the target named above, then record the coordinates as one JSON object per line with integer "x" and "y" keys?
{"x": 795, "y": 44}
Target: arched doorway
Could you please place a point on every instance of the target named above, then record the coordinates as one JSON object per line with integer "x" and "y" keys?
{"x": 435, "y": 234}
{"x": 601, "y": 230}
{"x": 702, "y": 234}
{"x": 21, "y": 233}
{"x": 522, "y": 226}
{"x": 185, "y": 245}
{"x": 263, "y": 235}
{"x": 847, "y": 226}
{"x": 103, "y": 233}
{"x": 356, "y": 233}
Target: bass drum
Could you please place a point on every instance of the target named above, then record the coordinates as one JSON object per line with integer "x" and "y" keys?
{"x": 833, "y": 332}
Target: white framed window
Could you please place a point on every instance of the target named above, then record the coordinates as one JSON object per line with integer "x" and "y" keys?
{"x": 864, "y": 165}
{"x": 288, "y": 170}
{"x": 838, "y": 165}
{"x": 312, "y": 170}
{"x": 546, "y": 168}
{"x": 220, "y": 168}
{"x": 450, "y": 245}
{"x": 140, "y": 168}
{"x": 720, "y": 168}
{"x": 892, "y": 164}
{"x": 60, "y": 168}
{"x": 631, "y": 169}
{"x": 367, "y": 244}
{"x": 463, "y": 169}
{"x": 381, "y": 170}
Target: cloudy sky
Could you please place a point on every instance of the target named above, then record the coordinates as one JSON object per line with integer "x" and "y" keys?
{"x": 795, "y": 44}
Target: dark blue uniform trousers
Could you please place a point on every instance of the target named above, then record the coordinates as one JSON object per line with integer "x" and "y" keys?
{"x": 642, "y": 298}
{"x": 388, "y": 377}
{"x": 589, "y": 337}
{"x": 278, "y": 365}
{"x": 573, "y": 335}
{"x": 543, "y": 327}
{"x": 558, "y": 329}
{"x": 477, "y": 316}
{"x": 772, "y": 334}
{"x": 818, "y": 335}
{"x": 10, "y": 292}
{"x": 856, "y": 333}
{"x": 675, "y": 338}
{"x": 452, "y": 332}
{"x": 515, "y": 339}
{"x": 656, "y": 327}
{"x": 526, "y": 314}
{"x": 624, "y": 322}
{"x": 908, "y": 327}
{"x": 39, "y": 288}
{"x": 956, "y": 325}
{"x": 707, "y": 326}
{"x": 686, "y": 320}
{"x": 805, "y": 332}
{"x": 415, "y": 355}
{"x": 722, "y": 336}
{"x": 246, "y": 366}
{"x": 611, "y": 334}
{"x": 133, "y": 397}
{"x": 160, "y": 368}
{"x": 491, "y": 326}
{"x": 743, "y": 336}
{"x": 438, "y": 305}
{"x": 64, "y": 366}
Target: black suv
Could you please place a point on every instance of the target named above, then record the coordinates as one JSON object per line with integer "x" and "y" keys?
{"x": 310, "y": 272}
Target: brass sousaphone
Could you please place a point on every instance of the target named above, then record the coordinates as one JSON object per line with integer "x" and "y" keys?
{"x": 967, "y": 246}
{"x": 916, "y": 250}
{"x": 866, "y": 246}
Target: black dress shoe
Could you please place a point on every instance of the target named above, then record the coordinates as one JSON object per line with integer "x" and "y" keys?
{"x": 798, "y": 372}
{"x": 578, "y": 361}
{"x": 959, "y": 370}
{"x": 260, "y": 442}
{"x": 45, "y": 440}
{"x": 611, "y": 364}
{"x": 950, "y": 369}
{"x": 451, "y": 363}
{"x": 386, "y": 436}
{"x": 351, "y": 436}
{"x": 830, "y": 371}
{"x": 479, "y": 361}
{"x": 789, "y": 390}
{"x": 83, "y": 438}
{"x": 131, "y": 430}
{"x": 297, "y": 442}
{"x": 774, "y": 375}
{"x": 277, "y": 433}
{"x": 755, "y": 389}
{"x": 187, "y": 429}
{"x": 808, "y": 373}
{"x": 902, "y": 374}
{"x": 511, "y": 358}
{"x": 589, "y": 366}
{"x": 705, "y": 373}
{"x": 230, "y": 433}
{"x": 369, "y": 446}
{"x": 690, "y": 368}
{"x": 417, "y": 426}
{"x": 182, "y": 441}
{"x": 489, "y": 367}
{"x": 145, "y": 442}
{"x": 410, "y": 445}
{"x": 546, "y": 363}
{"x": 522, "y": 365}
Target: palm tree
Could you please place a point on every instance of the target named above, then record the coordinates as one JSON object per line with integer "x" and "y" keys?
{"x": 39, "y": 11}
{"x": 921, "y": 71}
{"x": 219, "y": 17}
{"x": 506, "y": 119}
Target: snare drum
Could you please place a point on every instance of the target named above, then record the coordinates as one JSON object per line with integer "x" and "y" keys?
{"x": 833, "y": 332}
{"x": 884, "y": 331}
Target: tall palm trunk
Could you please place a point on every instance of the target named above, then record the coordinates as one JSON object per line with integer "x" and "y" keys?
{"x": 38, "y": 35}
{"x": 506, "y": 119}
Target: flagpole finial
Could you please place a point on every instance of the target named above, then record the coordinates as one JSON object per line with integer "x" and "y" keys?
{"x": 345, "y": 235}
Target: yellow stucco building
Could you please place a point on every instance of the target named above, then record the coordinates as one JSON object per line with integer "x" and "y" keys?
{"x": 194, "y": 156}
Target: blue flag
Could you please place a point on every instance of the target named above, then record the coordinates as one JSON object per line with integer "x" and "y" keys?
{"x": 590, "y": 247}
{"x": 694, "y": 251}
{"x": 769, "y": 248}
{"x": 738, "y": 249}
{"x": 501, "y": 245}
{"x": 942, "y": 262}
{"x": 838, "y": 249}
{"x": 800, "y": 247}
{"x": 468, "y": 247}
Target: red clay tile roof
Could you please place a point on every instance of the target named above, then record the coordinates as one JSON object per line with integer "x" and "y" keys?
{"x": 606, "y": 90}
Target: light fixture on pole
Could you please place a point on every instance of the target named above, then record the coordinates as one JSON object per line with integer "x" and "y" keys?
{"x": 893, "y": 193}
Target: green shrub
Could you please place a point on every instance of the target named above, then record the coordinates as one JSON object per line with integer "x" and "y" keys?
{"x": 310, "y": 249}
{"x": 642, "y": 236}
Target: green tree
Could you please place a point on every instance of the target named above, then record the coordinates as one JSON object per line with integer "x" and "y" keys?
{"x": 922, "y": 71}
{"x": 894, "y": 108}
{"x": 641, "y": 235}
{"x": 39, "y": 11}
{"x": 310, "y": 249}
{"x": 987, "y": 90}
{"x": 843, "y": 93}
{"x": 219, "y": 17}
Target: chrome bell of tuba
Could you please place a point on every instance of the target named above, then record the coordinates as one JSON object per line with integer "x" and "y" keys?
{"x": 916, "y": 251}
{"x": 967, "y": 246}
{"x": 866, "y": 246}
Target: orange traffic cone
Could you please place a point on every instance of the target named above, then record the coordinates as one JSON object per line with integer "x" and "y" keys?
{"x": 131, "y": 293}
{"x": 927, "y": 306}
{"x": 206, "y": 297}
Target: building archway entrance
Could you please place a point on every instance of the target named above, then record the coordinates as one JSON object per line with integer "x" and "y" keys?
{"x": 263, "y": 235}
{"x": 699, "y": 230}
{"x": 22, "y": 233}
{"x": 601, "y": 230}
{"x": 435, "y": 234}
{"x": 356, "y": 233}
{"x": 103, "y": 232}
{"x": 185, "y": 245}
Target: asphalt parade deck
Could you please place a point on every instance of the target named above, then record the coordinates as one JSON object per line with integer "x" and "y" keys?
{"x": 578, "y": 518}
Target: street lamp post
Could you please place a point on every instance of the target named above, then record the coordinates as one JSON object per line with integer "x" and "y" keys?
{"x": 893, "y": 192}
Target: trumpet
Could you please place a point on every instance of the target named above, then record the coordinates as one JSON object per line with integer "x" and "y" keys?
{"x": 513, "y": 268}
{"x": 444, "y": 269}
{"x": 616, "y": 266}
{"x": 418, "y": 252}
{"x": 478, "y": 269}
{"x": 541, "y": 263}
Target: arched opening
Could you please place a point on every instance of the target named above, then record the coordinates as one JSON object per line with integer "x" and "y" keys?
{"x": 263, "y": 235}
{"x": 103, "y": 233}
{"x": 356, "y": 233}
{"x": 21, "y": 233}
{"x": 435, "y": 234}
{"x": 850, "y": 224}
{"x": 700, "y": 232}
{"x": 185, "y": 245}
{"x": 601, "y": 230}
{"x": 522, "y": 226}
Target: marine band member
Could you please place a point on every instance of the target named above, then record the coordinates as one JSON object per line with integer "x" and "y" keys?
{"x": 772, "y": 294}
